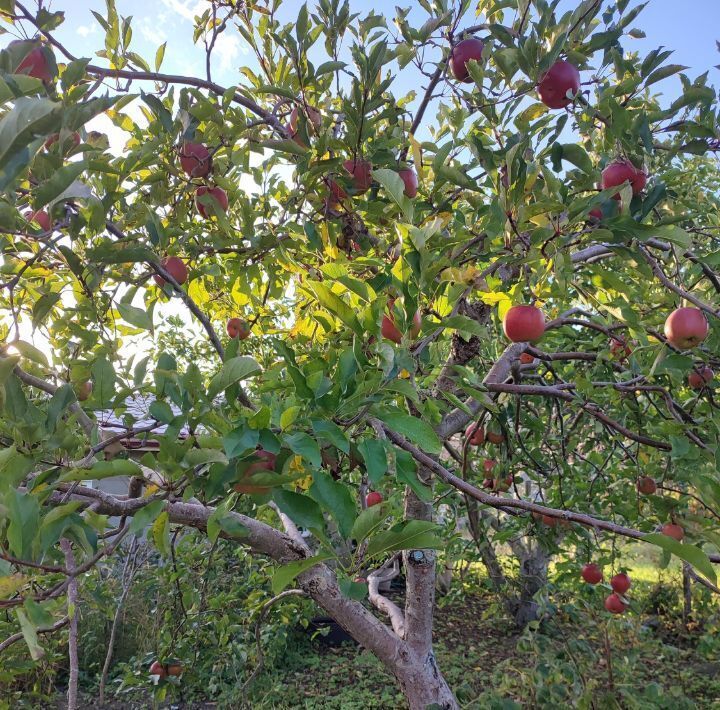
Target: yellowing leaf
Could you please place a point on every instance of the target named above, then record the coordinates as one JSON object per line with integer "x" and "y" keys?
{"x": 417, "y": 157}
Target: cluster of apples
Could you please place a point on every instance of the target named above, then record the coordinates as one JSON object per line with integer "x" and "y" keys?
{"x": 615, "y": 603}
{"x": 163, "y": 670}
{"x": 646, "y": 486}
{"x": 476, "y": 435}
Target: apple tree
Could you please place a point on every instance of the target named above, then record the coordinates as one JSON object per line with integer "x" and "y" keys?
{"x": 450, "y": 257}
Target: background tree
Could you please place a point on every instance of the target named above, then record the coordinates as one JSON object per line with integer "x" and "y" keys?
{"x": 380, "y": 252}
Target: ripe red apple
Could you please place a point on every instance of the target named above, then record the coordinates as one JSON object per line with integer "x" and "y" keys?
{"x": 41, "y": 218}
{"x": 686, "y": 327}
{"x": 526, "y": 359}
{"x": 83, "y": 391}
{"x": 619, "y": 348}
{"x": 175, "y": 266}
{"x": 475, "y": 434}
{"x": 461, "y": 54}
{"x": 501, "y": 485}
{"x": 596, "y": 213}
{"x": 557, "y": 81}
{"x": 373, "y": 498}
{"x": 698, "y": 380}
{"x": 591, "y": 573}
{"x": 389, "y": 330}
{"x": 35, "y": 64}
{"x": 524, "y": 324}
{"x": 337, "y": 194}
{"x": 487, "y": 483}
{"x": 214, "y": 193}
{"x": 195, "y": 159}
{"x": 313, "y": 117}
{"x": 266, "y": 462}
{"x": 410, "y": 178}
{"x": 673, "y": 531}
{"x": 174, "y": 668}
{"x": 620, "y": 583}
{"x": 157, "y": 668}
{"x": 361, "y": 171}
{"x": 488, "y": 465}
{"x": 614, "y": 604}
{"x": 495, "y": 437}
{"x": 621, "y": 171}
{"x": 549, "y": 521}
{"x": 238, "y": 328}
{"x": 73, "y": 138}
{"x": 646, "y": 485}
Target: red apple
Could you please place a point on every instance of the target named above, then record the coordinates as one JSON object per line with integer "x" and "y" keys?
{"x": 214, "y": 193}
{"x": 389, "y": 330}
{"x": 673, "y": 531}
{"x": 591, "y": 573}
{"x": 35, "y": 64}
{"x": 487, "y": 483}
{"x": 619, "y": 348}
{"x": 502, "y": 485}
{"x": 475, "y": 434}
{"x": 361, "y": 171}
{"x": 174, "y": 668}
{"x": 495, "y": 437}
{"x": 596, "y": 213}
{"x": 698, "y": 380}
{"x": 73, "y": 138}
{"x": 526, "y": 359}
{"x": 410, "y": 178}
{"x": 614, "y": 604}
{"x": 488, "y": 465}
{"x": 175, "y": 266}
{"x": 195, "y": 159}
{"x": 524, "y": 324}
{"x": 83, "y": 391}
{"x": 157, "y": 668}
{"x": 41, "y": 218}
{"x": 461, "y": 54}
{"x": 238, "y": 328}
{"x": 373, "y": 498}
{"x": 267, "y": 461}
{"x": 620, "y": 583}
{"x": 313, "y": 117}
{"x": 686, "y": 327}
{"x": 621, "y": 171}
{"x": 561, "y": 78}
{"x": 646, "y": 485}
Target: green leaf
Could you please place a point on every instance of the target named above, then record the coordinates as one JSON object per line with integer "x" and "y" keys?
{"x": 23, "y": 514}
{"x": 333, "y": 303}
{"x": 691, "y": 554}
{"x": 161, "y": 533}
{"x": 56, "y": 522}
{"x": 664, "y": 72}
{"x": 103, "y": 382}
{"x": 199, "y": 457}
{"x": 146, "y": 516}
{"x": 303, "y": 445}
{"x": 287, "y": 573}
{"x": 64, "y": 396}
{"x": 30, "y": 635}
{"x": 138, "y": 317}
{"x": 336, "y": 499}
{"x": 161, "y": 411}
{"x": 369, "y": 520}
{"x": 414, "y": 429}
{"x": 414, "y": 534}
{"x": 332, "y": 433}
{"x": 465, "y": 325}
{"x": 29, "y": 351}
{"x": 58, "y": 184}
{"x": 103, "y": 469}
{"x": 302, "y": 510}
{"x": 232, "y": 371}
{"x": 374, "y": 454}
{"x": 406, "y": 469}
{"x": 394, "y": 184}
{"x": 224, "y": 520}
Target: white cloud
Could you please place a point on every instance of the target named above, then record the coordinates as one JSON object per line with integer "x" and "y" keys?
{"x": 85, "y": 30}
{"x": 227, "y": 48}
{"x": 187, "y": 8}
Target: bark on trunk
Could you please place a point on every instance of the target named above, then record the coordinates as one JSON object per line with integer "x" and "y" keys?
{"x": 534, "y": 560}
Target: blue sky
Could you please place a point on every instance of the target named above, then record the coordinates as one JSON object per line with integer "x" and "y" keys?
{"x": 690, "y": 28}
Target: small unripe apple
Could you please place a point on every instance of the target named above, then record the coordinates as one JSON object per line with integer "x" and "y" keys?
{"x": 373, "y": 498}
{"x": 41, "y": 218}
{"x": 591, "y": 573}
{"x": 620, "y": 583}
{"x": 646, "y": 485}
{"x": 475, "y": 434}
{"x": 524, "y": 324}
{"x": 175, "y": 266}
{"x": 217, "y": 194}
{"x": 73, "y": 138}
{"x": 83, "y": 391}
{"x": 614, "y": 604}
{"x": 673, "y": 531}
{"x": 620, "y": 171}
{"x": 410, "y": 179}
{"x": 561, "y": 78}
{"x": 698, "y": 380}
{"x": 686, "y": 327}
{"x": 157, "y": 668}
{"x": 35, "y": 64}
{"x": 461, "y": 54}
{"x": 195, "y": 159}
{"x": 238, "y": 328}
{"x": 361, "y": 171}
